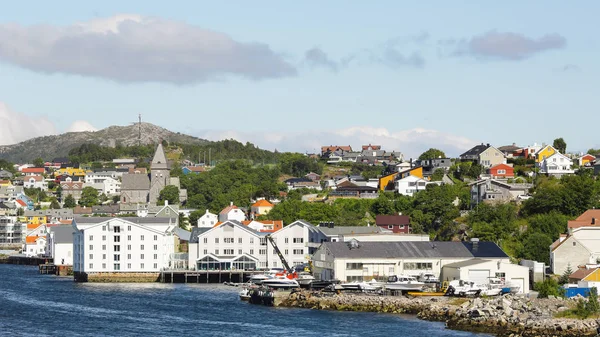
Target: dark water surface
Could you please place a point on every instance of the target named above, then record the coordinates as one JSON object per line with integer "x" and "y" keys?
{"x": 42, "y": 305}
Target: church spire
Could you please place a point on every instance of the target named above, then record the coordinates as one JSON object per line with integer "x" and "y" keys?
{"x": 159, "y": 162}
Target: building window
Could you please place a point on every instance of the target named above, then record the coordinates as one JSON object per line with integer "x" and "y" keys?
{"x": 91, "y": 266}
{"x": 141, "y": 247}
{"x": 216, "y": 240}
{"x": 354, "y": 266}
{"x": 91, "y": 247}
{"x": 128, "y": 247}
{"x": 155, "y": 247}
{"x": 142, "y": 237}
{"x": 155, "y": 265}
{"x": 298, "y": 251}
{"x": 91, "y": 256}
{"x": 129, "y": 266}
{"x": 117, "y": 257}
{"x": 205, "y": 251}
{"x": 205, "y": 240}
{"x": 228, "y": 251}
{"x": 228, "y": 240}
{"x": 239, "y": 240}
{"x": 103, "y": 247}
{"x": 117, "y": 248}
{"x": 251, "y": 240}
{"x": 141, "y": 256}
{"x": 103, "y": 256}
{"x": 418, "y": 265}
{"x": 298, "y": 240}
{"x": 574, "y": 243}
{"x": 156, "y": 256}
{"x": 117, "y": 238}
{"x": 216, "y": 252}
{"x": 128, "y": 256}
{"x": 128, "y": 237}
{"x": 155, "y": 237}
{"x": 286, "y": 252}
{"x": 129, "y": 228}
{"x": 390, "y": 226}
{"x": 262, "y": 251}
{"x": 91, "y": 237}
{"x": 104, "y": 228}
{"x": 104, "y": 266}
{"x": 141, "y": 266}
{"x": 117, "y": 229}
{"x": 287, "y": 240}
{"x": 251, "y": 251}
{"x": 240, "y": 252}
{"x": 103, "y": 237}
{"x": 401, "y": 226}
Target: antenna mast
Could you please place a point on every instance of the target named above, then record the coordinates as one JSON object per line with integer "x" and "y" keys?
{"x": 140, "y": 130}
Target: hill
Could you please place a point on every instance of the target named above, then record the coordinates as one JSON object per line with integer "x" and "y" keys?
{"x": 49, "y": 147}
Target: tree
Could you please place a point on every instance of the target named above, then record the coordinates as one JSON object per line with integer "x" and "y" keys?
{"x": 560, "y": 145}
{"x": 38, "y": 162}
{"x": 438, "y": 174}
{"x": 89, "y": 197}
{"x": 432, "y": 154}
{"x": 564, "y": 278}
{"x": 549, "y": 287}
{"x": 54, "y": 204}
{"x": 536, "y": 247}
{"x": 169, "y": 193}
{"x": 69, "y": 201}
{"x": 116, "y": 199}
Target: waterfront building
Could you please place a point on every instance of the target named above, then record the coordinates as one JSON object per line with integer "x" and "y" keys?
{"x": 366, "y": 233}
{"x": 119, "y": 245}
{"x": 59, "y": 244}
{"x": 297, "y": 242}
{"x": 12, "y": 232}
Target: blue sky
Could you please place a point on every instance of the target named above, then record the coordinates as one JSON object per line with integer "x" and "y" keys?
{"x": 296, "y": 75}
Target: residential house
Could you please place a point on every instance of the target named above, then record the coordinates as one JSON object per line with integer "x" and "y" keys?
{"x": 5, "y": 174}
{"x": 412, "y": 184}
{"x": 33, "y": 171}
{"x": 394, "y": 223}
{"x": 296, "y": 183}
{"x": 70, "y": 171}
{"x": 556, "y": 165}
{"x": 232, "y": 212}
{"x": 431, "y": 165}
{"x": 586, "y": 160}
{"x": 8, "y": 208}
{"x": 511, "y": 151}
{"x": 261, "y": 207}
{"x": 106, "y": 210}
{"x": 82, "y": 210}
{"x": 544, "y": 152}
{"x": 371, "y": 147}
{"x": 35, "y": 246}
{"x": 264, "y": 226}
{"x": 297, "y": 242}
{"x": 48, "y": 216}
{"x": 501, "y": 171}
{"x": 208, "y": 220}
{"x": 352, "y": 190}
{"x": 12, "y": 232}
{"x": 313, "y": 176}
{"x": 335, "y": 234}
{"x": 119, "y": 245}
{"x": 581, "y": 246}
{"x": 484, "y": 155}
{"x": 59, "y": 245}
{"x": 193, "y": 169}
{"x": 73, "y": 189}
{"x": 591, "y": 217}
{"x": 493, "y": 190}
{"x": 164, "y": 211}
{"x": 529, "y": 151}
{"x": 479, "y": 270}
{"x": 34, "y": 181}
{"x": 363, "y": 261}
{"x": 325, "y": 150}
{"x": 416, "y": 171}
{"x": 107, "y": 186}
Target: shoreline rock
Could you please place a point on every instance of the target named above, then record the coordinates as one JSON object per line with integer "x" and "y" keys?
{"x": 505, "y": 316}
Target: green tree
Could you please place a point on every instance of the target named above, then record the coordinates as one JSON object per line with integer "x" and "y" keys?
{"x": 432, "y": 153}
{"x": 194, "y": 216}
{"x": 69, "y": 201}
{"x": 549, "y": 287}
{"x": 97, "y": 165}
{"x": 536, "y": 247}
{"x": 560, "y": 145}
{"x": 169, "y": 193}
{"x": 564, "y": 278}
{"x": 116, "y": 199}
{"x": 594, "y": 152}
{"x": 89, "y": 197}
{"x": 437, "y": 175}
{"x": 38, "y": 162}
{"x": 54, "y": 204}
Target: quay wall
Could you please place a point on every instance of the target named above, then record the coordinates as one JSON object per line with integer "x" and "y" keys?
{"x": 117, "y": 277}
{"x": 507, "y": 316}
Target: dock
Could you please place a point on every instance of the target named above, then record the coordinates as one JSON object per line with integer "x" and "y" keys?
{"x": 206, "y": 276}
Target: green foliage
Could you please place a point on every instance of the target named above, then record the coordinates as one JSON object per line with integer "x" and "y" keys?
{"x": 38, "y": 162}
{"x": 437, "y": 175}
{"x": 366, "y": 171}
{"x": 536, "y": 247}
{"x": 549, "y": 287}
{"x": 298, "y": 165}
{"x": 594, "y": 152}
{"x": 86, "y": 153}
{"x": 194, "y": 216}
{"x": 69, "y": 201}
{"x": 551, "y": 224}
{"x": 228, "y": 149}
{"x": 54, "y": 204}
{"x": 436, "y": 204}
{"x": 170, "y": 193}
{"x": 89, "y": 197}
{"x": 585, "y": 307}
{"x": 564, "y": 278}
{"x": 7, "y": 166}
{"x": 493, "y": 222}
{"x": 432, "y": 154}
{"x": 560, "y": 145}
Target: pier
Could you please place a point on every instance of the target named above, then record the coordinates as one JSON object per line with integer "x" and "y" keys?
{"x": 206, "y": 276}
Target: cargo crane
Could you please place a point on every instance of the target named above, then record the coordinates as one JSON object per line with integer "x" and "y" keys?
{"x": 288, "y": 272}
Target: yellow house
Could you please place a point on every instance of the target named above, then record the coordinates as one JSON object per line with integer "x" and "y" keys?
{"x": 544, "y": 153}
{"x": 415, "y": 172}
{"x": 390, "y": 178}
{"x": 386, "y": 180}
{"x": 592, "y": 279}
{"x": 37, "y": 219}
{"x": 76, "y": 172}
{"x": 5, "y": 183}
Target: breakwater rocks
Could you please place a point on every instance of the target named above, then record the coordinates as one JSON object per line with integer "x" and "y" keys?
{"x": 506, "y": 316}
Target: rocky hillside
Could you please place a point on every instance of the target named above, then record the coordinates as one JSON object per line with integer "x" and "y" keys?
{"x": 59, "y": 145}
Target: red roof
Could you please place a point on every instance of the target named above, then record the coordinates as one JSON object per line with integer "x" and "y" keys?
{"x": 392, "y": 220}
{"x": 586, "y": 219}
{"x": 21, "y": 202}
{"x": 228, "y": 209}
{"x": 39, "y": 170}
{"x": 262, "y": 203}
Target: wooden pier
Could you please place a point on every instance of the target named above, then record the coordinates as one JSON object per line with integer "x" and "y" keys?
{"x": 206, "y": 276}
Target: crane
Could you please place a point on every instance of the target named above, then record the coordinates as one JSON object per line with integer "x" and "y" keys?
{"x": 286, "y": 266}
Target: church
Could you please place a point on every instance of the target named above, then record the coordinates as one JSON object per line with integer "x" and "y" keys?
{"x": 141, "y": 188}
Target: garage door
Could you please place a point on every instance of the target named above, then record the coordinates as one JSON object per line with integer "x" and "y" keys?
{"x": 518, "y": 282}
{"x": 479, "y": 276}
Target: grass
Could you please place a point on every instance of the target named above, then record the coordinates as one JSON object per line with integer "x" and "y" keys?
{"x": 458, "y": 301}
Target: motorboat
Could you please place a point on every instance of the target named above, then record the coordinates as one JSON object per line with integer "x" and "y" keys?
{"x": 464, "y": 288}
{"x": 428, "y": 278}
{"x": 493, "y": 288}
{"x": 304, "y": 279}
{"x": 281, "y": 283}
{"x": 404, "y": 283}
{"x": 351, "y": 285}
{"x": 244, "y": 294}
{"x": 372, "y": 285}
{"x": 259, "y": 278}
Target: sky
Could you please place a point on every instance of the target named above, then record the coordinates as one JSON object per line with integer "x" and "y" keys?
{"x": 294, "y": 76}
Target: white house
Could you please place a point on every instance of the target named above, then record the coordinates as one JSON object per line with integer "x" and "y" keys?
{"x": 480, "y": 270}
{"x": 580, "y": 247}
{"x": 411, "y": 185}
{"x": 35, "y": 182}
{"x": 60, "y": 245}
{"x": 35, "y": 245}
{"x": 106, "y": 186}
{"x": 122, "y": 245}
{"x": 358, "y": 261}
{"x": 297, "y": 242}
{"x": 232, "y": 212}
{"x": 208, "y": 220}
{"x": 556, "y": 165}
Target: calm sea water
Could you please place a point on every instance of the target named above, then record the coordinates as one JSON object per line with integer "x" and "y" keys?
{"x": 36, "y": 305}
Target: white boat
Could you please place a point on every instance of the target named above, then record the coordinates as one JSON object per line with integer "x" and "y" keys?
{"x": 281, "y": 283}
{"x": 372, "y": 285}
{"x": 304, "y": 279}
{"x": 404, "y": 283}
{"x": 493, "y": 288}
{"x": 259, "y": 278}
{"x": 464, "y": 288}
{"x": 244, "y": 294}
{"x": 428, "y": 278}
{"x": 351, "y": 285}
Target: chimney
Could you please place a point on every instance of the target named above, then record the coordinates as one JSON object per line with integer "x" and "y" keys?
{"x": 231, "y": 203}
{"x": 166, "y": 202}
{"x": 475, "y": 242}
{"x": 593, "y": 221}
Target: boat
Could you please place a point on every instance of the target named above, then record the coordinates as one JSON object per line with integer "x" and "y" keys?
{"x": 428, "y": 278}
{"x": 372, "y": 285}
{"x": 464, "y": 288}
{"x": 259, "y": 278}
{"x": 304, "y": 279}
{"x": 403, "y": 283}
{"x": 493, "y": 288}
{"x": 281, "y": 283}
{"x": 323, "y": 284}
{"x": 351, "y": 285}
{"x": 244, "y": 294}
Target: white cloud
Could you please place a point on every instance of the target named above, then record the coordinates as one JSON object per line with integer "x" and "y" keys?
{"x": 411, "y": 142}
{"x": 134, "y": 48}
{"x": 81, "y": 126}
{"x": 16, "y": 127}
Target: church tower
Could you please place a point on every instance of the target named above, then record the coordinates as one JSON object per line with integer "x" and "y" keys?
{"x": 159, "y": 174}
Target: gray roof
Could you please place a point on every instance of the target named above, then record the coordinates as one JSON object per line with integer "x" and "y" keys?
{"x": 465, "y": 263}
{"x": 106, "y": 209}
{"x": 345, "y": 230}
{"x": 159, "y": 162}
{"x": 434, "y": 249}
{"x": 135, "y": 182}
{"x": 197, "y": 231}
{"x": 5, "y": 174}
{"x": 61, "y": 212}
{"x": 182, "y": 233}
{"x": 62, "y": 234}
{"x": 138, "y": 220}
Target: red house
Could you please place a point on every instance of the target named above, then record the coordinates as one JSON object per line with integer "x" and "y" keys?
{"x": 395, "y": 223}
{"x": 502, "y": 171}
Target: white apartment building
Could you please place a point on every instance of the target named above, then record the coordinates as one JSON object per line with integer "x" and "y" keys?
{"x": 108, "y": 186}
{"x": 411, "y": 185}
{"x": 120, "y": 245}
{"x": 11, "y": 230}
{"x": 232, "y": 245}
